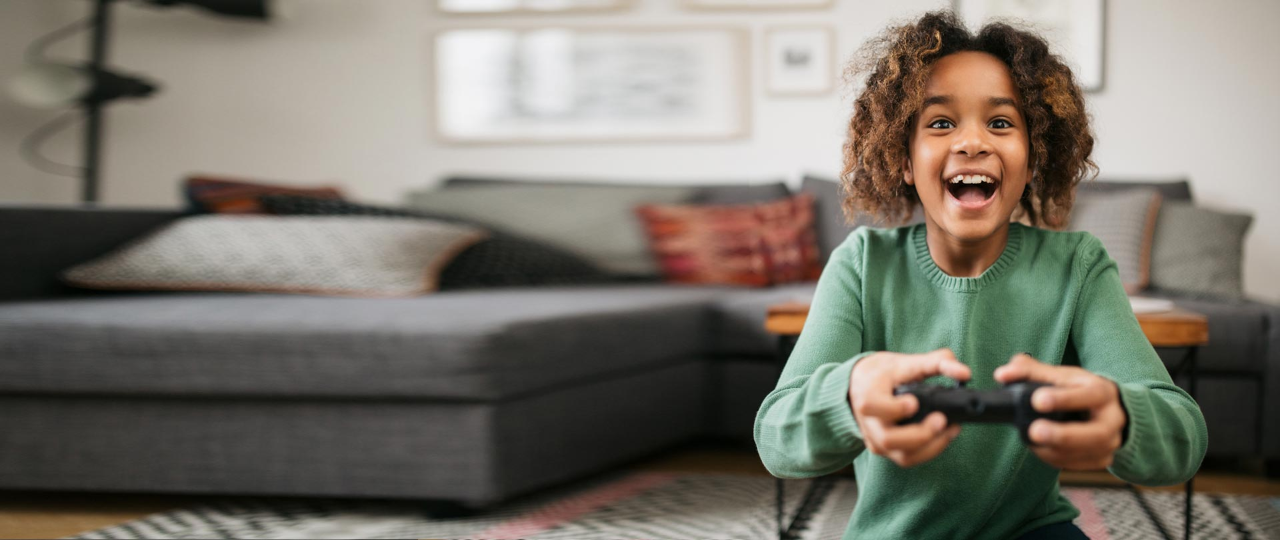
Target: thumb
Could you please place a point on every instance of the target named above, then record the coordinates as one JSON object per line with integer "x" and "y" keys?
{"x": 1023, "y": 368}
{"x": 951, "y": 367}
{"x": 918, "y": 366}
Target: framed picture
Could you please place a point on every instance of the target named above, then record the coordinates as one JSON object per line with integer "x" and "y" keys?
{"x": 1074, "y": 28}
{"x": 799, "y": 60}
{"x": 548, "y": 85}
{"x": 757, "y": 4}
{"x": 475, "y": 7}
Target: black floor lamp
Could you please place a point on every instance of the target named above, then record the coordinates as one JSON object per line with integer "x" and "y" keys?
{"x": 91, "y": 86}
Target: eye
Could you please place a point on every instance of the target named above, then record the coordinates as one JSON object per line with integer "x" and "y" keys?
{"x": 1006, "y": 123}
{"x": 935, "y": 123}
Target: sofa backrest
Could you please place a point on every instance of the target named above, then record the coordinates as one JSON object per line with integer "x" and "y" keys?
{"x": 728, "y": 193}
{"x": 37, "y": 243}
{"x": 1170, "y": 190}
{"x": 595, "y": 219}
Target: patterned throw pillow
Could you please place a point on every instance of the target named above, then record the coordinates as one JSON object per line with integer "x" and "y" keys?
{"x": 502, "y": 260}
{"x": 233, "y": 196}
{"x": 1125, "y": 222}
{"x": 350, "y": 257}
{"x": 752, "y": 244}
{"x": 1199, "y": 252}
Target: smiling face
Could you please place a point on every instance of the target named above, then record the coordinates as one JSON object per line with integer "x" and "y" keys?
{"x": 968, "y": 150}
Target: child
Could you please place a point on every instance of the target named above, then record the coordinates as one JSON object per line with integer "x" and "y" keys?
{"x": 979, "y": 130}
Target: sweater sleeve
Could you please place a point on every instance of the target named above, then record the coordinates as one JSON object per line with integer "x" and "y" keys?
{"x": 805, "y": 427}
{"x": 1166, "y": 436}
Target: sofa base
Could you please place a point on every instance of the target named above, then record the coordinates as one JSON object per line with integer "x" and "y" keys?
{"x": 738, "y": 387}
{"x": 474, "y": 453}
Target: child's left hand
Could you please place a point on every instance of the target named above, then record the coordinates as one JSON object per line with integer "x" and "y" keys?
{"x": 1079, "y": 446}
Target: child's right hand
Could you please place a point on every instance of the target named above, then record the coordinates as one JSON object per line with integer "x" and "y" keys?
{"x": 877, "y": 410}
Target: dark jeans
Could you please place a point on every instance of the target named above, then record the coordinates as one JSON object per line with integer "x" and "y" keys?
{"x": 1056, "y": 531}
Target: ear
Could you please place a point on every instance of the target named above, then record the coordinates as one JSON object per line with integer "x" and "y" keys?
{"x": 907, "y": 177}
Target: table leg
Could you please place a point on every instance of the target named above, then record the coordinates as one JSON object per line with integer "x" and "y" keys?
{"x": 1189, "y": 366}
{"x": 1191, "y": 387}
{"x": 1186, "y": 512}
{"x": 781, "y": 485}
{"x": 785, "y": 345}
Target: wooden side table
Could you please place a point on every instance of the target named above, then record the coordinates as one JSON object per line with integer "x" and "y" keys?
{"x": 1175, "y": 328}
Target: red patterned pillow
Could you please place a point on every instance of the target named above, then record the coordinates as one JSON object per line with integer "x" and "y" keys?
{"x": 748, "y": 244}
{"x": 237, "y": 196}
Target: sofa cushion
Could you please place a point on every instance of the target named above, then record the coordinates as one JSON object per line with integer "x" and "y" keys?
{"x": 1170, "y": 190}
{"x": 741, "y": 193}
{"x": 718, "y": 193}
{"x": 240, "y": 196}
{"x": 831, "y": 227}
{"x": 737, "y": 323}
{"x": 502, "y": 260}
{"x": 1125, "y": 222}
{"x": 830, "y": 223}
{"x": 595, "y": 222}
{"x": 460, "y": 345}
{"x": 1199, "y": 251}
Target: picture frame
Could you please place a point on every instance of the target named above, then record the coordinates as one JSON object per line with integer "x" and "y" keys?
{"x": 590, "y": 84}
{"x": 1075, "y": 29}
{"x": 799, "y": 60}
{"x": 525, "y": 7}
{"x": 756, "y": 5}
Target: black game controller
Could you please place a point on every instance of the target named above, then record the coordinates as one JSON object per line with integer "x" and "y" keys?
{"x": 1010, "y": 404}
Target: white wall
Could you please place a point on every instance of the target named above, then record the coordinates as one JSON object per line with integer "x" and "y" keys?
{"x": 339, "y": 94}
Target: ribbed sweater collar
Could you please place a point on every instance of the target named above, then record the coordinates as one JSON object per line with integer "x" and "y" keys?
{"x": 920, "y": 245}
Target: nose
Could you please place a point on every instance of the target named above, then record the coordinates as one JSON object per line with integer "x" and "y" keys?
{"x": 971, "y": 141}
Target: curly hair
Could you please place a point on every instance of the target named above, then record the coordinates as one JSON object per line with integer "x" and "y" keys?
{"x": 898, "y": 63}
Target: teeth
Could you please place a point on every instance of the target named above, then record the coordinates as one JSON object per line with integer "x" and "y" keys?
{"x": 971, "y": 179}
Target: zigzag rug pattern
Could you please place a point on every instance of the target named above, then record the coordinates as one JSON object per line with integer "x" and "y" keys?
{"x": 661, "y": 505}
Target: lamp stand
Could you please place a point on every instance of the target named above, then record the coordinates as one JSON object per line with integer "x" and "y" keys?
{"x": 93, "y": 106}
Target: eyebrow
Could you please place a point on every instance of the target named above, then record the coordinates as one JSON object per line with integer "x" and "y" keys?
{"x": 947, "y": 98}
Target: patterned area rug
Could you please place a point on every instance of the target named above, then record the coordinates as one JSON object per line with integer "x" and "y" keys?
{"x": 659, "y": 505}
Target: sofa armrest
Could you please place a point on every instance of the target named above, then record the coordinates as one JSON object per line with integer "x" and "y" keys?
{"x": 38, "y": 242}
{"x": 1244, "y": 339}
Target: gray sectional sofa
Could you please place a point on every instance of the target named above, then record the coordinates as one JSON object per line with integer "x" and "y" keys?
{"x": 466, "y": 396}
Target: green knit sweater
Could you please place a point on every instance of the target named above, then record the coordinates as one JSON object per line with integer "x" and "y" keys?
{"x": 1055, "y": 295}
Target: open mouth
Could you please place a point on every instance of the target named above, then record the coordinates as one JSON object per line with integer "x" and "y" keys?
{"x": 972, "y": 190}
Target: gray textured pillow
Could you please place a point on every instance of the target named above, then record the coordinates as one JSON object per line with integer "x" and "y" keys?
{"x": 1125, "y": 223}
{"x": 1199, "y": 252}
{"x": 830, "y": 223}
{"x": 1170, "y": 190}
{"x": 595, "y": 222}
{"x": 356, "y": 256}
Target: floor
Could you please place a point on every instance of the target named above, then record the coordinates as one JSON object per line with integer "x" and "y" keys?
{"x": 56, "y": 515}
